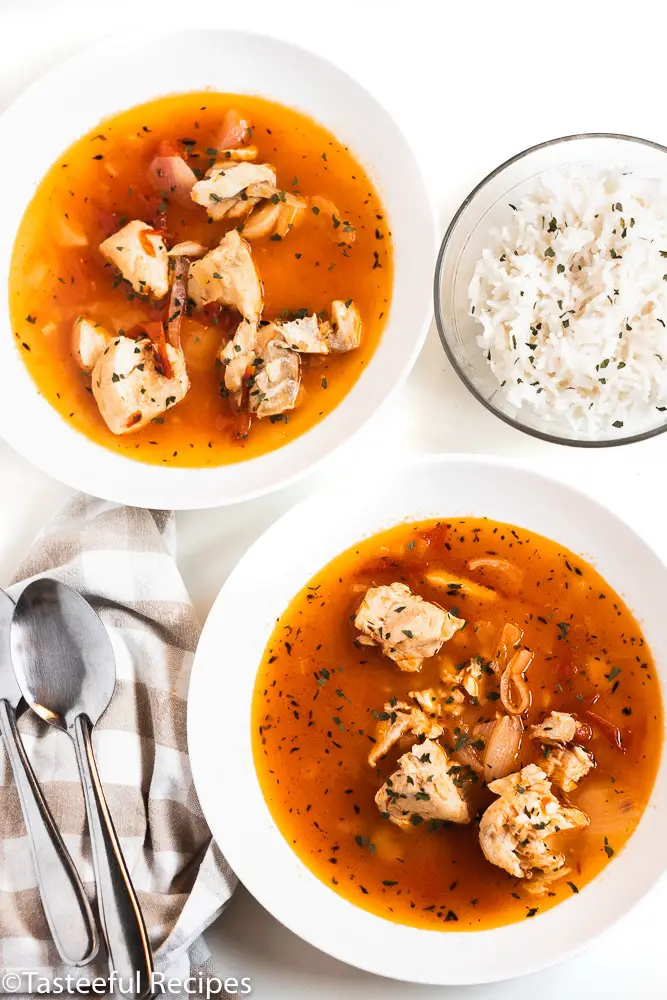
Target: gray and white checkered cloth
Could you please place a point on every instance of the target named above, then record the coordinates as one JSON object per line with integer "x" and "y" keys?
{"x": 122, "y": 560}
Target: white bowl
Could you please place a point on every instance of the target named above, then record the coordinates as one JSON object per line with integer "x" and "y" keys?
{"x": 70, "y": 100}
{"x": 219, "y": 727}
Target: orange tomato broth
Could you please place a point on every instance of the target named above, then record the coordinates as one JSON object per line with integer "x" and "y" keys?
{"x": 312, "y": 725}
{"x": 101, "y": 182}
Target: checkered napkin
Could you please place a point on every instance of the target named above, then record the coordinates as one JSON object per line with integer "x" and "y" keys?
{"x": 122, "y": 560}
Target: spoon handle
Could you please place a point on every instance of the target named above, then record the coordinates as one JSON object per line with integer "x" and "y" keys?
{"x": 66, "y": 908}
{"x": 122, "y": 923}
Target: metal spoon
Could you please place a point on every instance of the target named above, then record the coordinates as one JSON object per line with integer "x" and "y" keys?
{"x": 66, "y": 908}
{"x": 65, "y": 667}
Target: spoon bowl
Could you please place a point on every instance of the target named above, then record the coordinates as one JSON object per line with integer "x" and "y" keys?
{"x": 55, "y": 625}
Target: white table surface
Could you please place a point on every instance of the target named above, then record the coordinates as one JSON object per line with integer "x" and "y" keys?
{"x": 470, "y": 83}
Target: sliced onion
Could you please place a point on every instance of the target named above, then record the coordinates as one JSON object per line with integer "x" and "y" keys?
{"x": 510, "y": 637}
{"x": 483, "y": 730}
{"x": 263, "y": 189}
{"x": 502, "y": 748}
{"x": 470, "y": 757}
{"x": 173, "y": 178}
{"x": 451, "y": 582}
{"x": 502, "y": 565}
{"x": 234, "y": 131}
{"x": 290, "y": 215}
{"x": 513, "y": 682}
{"x": 609, "y": 812}
{"x": 188, "y": 249}
{"x": 262, "y": 222}
{"x": 241, "y": 207}
{"x": 240, "y": 153}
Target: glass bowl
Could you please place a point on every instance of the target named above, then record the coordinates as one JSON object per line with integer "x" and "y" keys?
{"x": 487, "y": 207}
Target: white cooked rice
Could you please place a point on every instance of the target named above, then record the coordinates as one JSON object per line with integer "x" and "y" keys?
{"x": 572, "y": 299}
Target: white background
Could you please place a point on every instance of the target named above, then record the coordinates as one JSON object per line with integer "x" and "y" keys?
{"x": 470, "y": 83}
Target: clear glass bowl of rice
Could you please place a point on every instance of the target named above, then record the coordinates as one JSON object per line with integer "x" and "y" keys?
{"x": 551, "y": 290}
